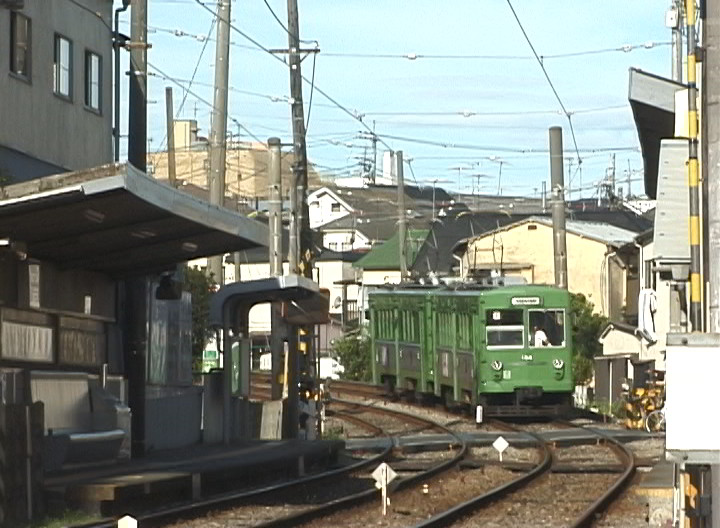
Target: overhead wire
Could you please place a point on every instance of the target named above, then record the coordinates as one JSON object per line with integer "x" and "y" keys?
{"x": 269, "y": 52}
{"x": 201, "y": 99}
{"x": 495, "y": 148}
{"x": 358, "y": 117}
{"x": 552, "y": 86}
{"x": 626, "y": 48}
{"x": 192, "y": 77}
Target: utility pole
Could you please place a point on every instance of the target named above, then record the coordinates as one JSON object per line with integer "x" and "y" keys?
{"x": 218, "y": 127}
{"x": 302, "y": 360}
{"x": 558, "y": 206}
{"x": 374, "y": 142}
{"x": 402, "y": 227}
{"x": 696, "y": 316}
{"x": 136, "y": 289}
{"x": 711, "y": 129}
{"x": 673, "y": 20}
{"x": 216, "y": 180}
{"x": 118, "y": 44}
{"x": 137, "y": 119}
{"x": 629, "y": 181}
{"x": 170, "y": 124}
{"x": 277, "y": 325}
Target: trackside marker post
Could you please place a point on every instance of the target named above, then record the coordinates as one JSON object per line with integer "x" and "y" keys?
{"x": 383, "y": 476}
{"x": 479, "y": 414}
{"x": 127, "y": 522}
{"x": 500, "y": 445}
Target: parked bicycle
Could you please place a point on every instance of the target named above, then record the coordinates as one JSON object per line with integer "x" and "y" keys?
{"x": 655, "y": 421}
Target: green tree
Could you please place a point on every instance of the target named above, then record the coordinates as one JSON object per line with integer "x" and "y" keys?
{"x": 586, "y": 329}
{"x": 201, "y": 288}
{"x": 353, "y": 352}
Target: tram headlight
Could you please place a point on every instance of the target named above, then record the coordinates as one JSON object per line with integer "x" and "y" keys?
{"x": 496, "y": 365}
{"x": 558, "y": 363}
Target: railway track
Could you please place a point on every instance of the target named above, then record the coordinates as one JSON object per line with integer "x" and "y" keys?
{"x": 309, "y": 501}
{"x": 293, "y": 503}
{"x": 512, "y": 496}
{"x": 596, "y": 484}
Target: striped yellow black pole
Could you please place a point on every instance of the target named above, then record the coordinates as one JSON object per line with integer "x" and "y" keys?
{"x": 696, "y": 318}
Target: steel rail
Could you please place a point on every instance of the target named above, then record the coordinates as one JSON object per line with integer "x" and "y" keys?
{"x": 596, "y": 508}
{"x": 328, "y": 508}
{"x": 230, "y": 499}
{"x": 468, "y": 507}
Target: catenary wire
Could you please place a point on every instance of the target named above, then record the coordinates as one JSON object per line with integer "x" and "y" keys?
{"x": 552, "y": 86}
{"x": 192, "y": 77}
{"x": 269, "y": 52}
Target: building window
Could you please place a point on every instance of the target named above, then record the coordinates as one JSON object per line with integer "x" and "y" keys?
{"x": 335, "y": 207}
{"x": 62, "y": 68}
{"x": 93, "y": 80}
{"x": 20, "y": 45}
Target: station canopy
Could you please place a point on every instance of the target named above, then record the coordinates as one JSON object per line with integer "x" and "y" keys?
{"x": 114, "y": 219}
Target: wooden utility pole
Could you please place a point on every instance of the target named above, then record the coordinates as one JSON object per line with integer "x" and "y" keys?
{"x": 299, "y": 168}
{"x": 218, "y": 129}
{"x": 300, "y": 360}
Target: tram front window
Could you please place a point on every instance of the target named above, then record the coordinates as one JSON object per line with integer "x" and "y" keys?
{"x": 504, "y": 328}
{"x": 552, "y": 322}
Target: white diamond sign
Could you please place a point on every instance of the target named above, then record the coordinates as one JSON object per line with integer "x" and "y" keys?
{"x": 383, "y": 476}
{"x": 500, "y": 445}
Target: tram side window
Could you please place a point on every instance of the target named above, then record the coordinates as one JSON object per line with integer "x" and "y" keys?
{"x": 552, "y": 322}
{"x": 504, "y": 328}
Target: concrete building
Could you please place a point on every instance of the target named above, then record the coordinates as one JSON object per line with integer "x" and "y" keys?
{"x": 56, "y": 83}
{"x": 246, "y": 175}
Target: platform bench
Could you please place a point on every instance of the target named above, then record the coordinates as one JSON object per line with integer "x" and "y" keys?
{"x": 75, "y": 432}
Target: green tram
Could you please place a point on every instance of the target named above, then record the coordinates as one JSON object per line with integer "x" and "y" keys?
{"x": 505, "y": 348}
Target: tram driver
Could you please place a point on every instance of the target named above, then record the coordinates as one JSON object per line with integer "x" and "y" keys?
{"x": 540, "y": 338}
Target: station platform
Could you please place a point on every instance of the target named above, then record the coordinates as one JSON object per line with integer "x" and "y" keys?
{"x": 187, "y": 473}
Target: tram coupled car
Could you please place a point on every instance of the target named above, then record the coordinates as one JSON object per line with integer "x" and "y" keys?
{"x": 506, "y": 348}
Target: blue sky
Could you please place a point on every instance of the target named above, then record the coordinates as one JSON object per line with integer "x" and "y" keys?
{"x": 508, "y": 101}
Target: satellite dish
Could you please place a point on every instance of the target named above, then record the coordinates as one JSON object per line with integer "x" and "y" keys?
{"x": 337, "y": 302}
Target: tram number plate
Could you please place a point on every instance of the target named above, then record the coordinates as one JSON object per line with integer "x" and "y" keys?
{"x": 507, "y": 374}
{"x": 526, "y": 357}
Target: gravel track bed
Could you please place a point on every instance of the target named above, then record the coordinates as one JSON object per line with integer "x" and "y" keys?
{"x": 456, "y": 422}
{"x": 392, "y": 425}
{"x": 554, "y": 500}
{"x": 285, "y": 503}
{"x": 408, "y": 507}
{"x": 551, "y": 501}
{"x": 282, "y": 503}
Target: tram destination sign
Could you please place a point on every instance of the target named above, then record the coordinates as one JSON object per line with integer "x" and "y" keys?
{"x": 526, "y": 301}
